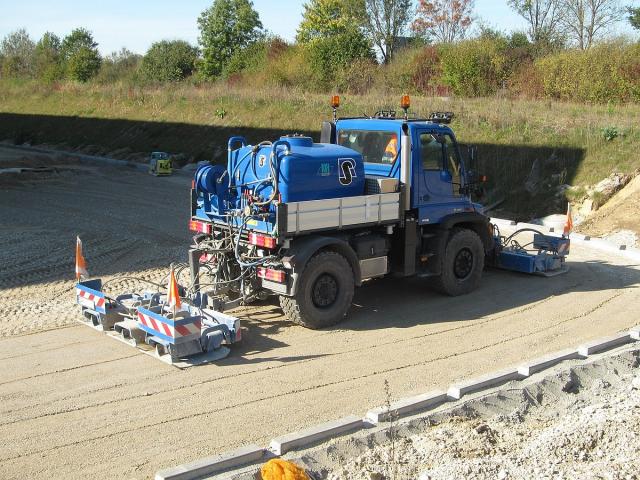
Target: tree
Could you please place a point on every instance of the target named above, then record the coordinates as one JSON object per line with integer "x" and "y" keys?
{"x": 169, "y": 61}
{"x": 443, "y": 20}
{"x": 331, "y": 35}
{"x": 80, "y": 55}
{"x": 324, "y": 18}
{"x": 47, "y": 57}
{"x": 17, "y": 50}
{"x": 384, "y": 21}
{"x": 587, "y": 20}
{"x": 543, "y": 17}
{"x": 226, "y": 27}
{"x": 634, "y": 17}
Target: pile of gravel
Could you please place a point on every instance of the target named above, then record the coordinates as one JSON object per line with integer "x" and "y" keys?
{"x": 583, "y": 423}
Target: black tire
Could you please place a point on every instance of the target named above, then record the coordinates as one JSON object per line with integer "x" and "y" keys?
{"x": 324, "y": 292}
{"x": 462, "y": 264}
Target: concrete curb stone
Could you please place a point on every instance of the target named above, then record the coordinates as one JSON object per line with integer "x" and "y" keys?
{"x": 493, "y": 379}
{"x": 606, "y": 343}
{"x": 546, "y": 361}
{"x": 407, "y": 406}
{"x": 317, "y": 433}
{"x": 210, "y": 465}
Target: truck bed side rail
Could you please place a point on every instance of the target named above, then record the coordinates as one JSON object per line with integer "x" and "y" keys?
{"x": 342, "y": 213}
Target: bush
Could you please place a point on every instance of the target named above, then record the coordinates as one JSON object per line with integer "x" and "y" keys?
{"x": 476, "y": 68}
{"x": 605, "y": 73}
{"x": 358, "y": 77}
{"x": 169, "y": 61}
{"x": 328, "y": 56}
{"x": 83, "y": 64}
{"x": 120, "y": 66}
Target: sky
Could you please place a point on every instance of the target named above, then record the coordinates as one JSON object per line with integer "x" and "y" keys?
{"x": 136, "y": 24}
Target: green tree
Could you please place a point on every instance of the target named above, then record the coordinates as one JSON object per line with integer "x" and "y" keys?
{"x": 324, "y": 18}
{"x": 169, "y": 61}
{"x": 226, "y": 27}
{"x": 332, "y": 38}
{"x": 47, "y": 57}
{"x": 17, "y": 50}
{"x": 634, "y": 17}
{"x": 80, "y": 56}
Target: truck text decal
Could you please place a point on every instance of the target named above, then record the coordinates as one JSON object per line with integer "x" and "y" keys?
{"x": 347, "y": 170}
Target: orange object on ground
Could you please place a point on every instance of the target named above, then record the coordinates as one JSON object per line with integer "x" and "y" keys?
{"x": 278, "y": 469}
{"x": 81, "y": 264}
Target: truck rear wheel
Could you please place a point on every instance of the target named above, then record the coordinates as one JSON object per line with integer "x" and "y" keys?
{"x": 324, "y": 292}
{"x": 462, "y": 264}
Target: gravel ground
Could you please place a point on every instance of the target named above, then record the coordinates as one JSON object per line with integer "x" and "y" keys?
{"x": 75, "y": 404}
{"x": 579, "y": 425}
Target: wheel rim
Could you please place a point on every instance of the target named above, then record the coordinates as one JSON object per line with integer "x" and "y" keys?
{"x": 463, "y": 264}
{"x": 325, "y": 291}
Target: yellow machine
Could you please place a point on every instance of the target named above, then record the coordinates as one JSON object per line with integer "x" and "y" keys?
{"x": 160, "y": 164}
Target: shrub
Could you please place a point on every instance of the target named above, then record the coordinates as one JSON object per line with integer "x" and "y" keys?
{"x": 605, "y": 73}
{"x": 329, "y": 55}
{"x": 478, "y": 67}
{"x": 169, "y": 61}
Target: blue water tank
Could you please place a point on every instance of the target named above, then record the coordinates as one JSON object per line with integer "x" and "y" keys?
{"x": 307, "y": 170}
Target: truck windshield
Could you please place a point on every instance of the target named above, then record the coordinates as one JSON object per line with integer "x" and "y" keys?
{"x": 375, "y": 146}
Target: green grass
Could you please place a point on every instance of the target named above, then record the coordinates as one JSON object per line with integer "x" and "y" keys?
{"x": 568, "y": 139}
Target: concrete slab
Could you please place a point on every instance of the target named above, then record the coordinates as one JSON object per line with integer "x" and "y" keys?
{"x": 546, "y": 361}
{"x": 635, "y": 333}
{"x": 318, "y": 433}
{"x": 211, "y": 465}
{"x": 605, "y": 343}
{"x": 486, "y": 381}
{"x": 407, "y": 406}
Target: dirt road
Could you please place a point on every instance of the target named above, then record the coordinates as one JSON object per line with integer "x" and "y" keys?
{"x": 74, "y": 404}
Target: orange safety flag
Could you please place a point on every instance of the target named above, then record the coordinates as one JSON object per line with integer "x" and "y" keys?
{"x": 568, "y": 226}
{"x": 278, "y": 469}
{"x": 81, "y": 264}
{"x": 174, "y": 296}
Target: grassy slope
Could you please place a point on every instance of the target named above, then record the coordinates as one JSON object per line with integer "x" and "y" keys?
{"x": 566, "y": 138}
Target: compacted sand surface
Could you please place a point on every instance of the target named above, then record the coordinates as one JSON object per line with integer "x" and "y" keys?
{"x": 75, "y": 404}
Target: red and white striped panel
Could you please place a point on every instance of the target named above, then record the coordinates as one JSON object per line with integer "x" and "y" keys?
{"x": 169, "y": 330}
{"x": 98, "y": 301}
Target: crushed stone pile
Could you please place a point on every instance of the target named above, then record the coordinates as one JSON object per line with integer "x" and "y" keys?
{"x": 590, "y": 432}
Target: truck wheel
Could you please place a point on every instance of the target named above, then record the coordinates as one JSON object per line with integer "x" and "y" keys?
{"x": 324, "y": 293}
{"x": 462, "y": 264}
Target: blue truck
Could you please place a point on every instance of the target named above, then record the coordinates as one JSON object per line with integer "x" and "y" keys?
{"x": 380, "y": 195}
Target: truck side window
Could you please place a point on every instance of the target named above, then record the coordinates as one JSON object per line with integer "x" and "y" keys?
{"x": 431, "y": 152}
{"x": 375, "y": 146}
{"x": 453, "y": 161}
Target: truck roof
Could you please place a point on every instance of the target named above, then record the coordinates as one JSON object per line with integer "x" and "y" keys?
{"x": 365, "y": 123}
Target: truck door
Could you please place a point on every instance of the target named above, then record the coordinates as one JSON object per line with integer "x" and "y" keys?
{"x": 438, "y": 176}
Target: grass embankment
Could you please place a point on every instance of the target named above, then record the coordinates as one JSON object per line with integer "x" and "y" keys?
{"x": 578, "y": 144}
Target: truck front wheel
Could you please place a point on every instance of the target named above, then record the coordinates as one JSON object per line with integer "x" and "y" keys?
{"x": 462, "y": 265}
{"x": 324, "y": 292}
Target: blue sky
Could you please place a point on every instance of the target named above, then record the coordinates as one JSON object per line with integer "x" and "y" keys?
{"x": 137, "y": 24}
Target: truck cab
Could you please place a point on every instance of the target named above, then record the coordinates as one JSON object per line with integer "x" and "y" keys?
{"x": 437, "y": 175}
{"x": 309, "y": 221}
